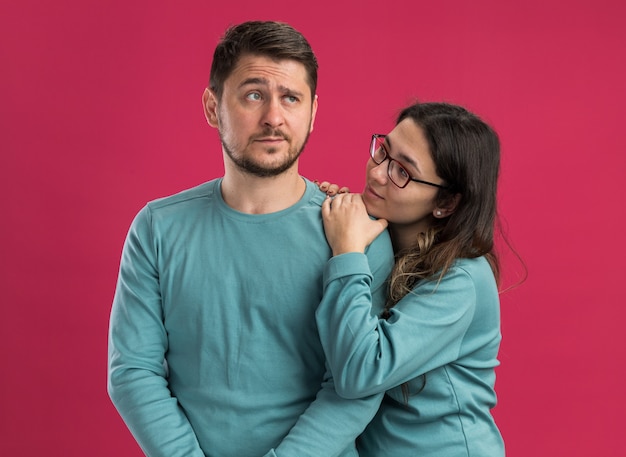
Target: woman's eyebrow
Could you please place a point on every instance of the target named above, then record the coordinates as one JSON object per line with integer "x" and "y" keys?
{"x": 402, "y": 157}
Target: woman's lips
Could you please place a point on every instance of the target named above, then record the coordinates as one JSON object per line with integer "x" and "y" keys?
{"x": 371, "y": 192}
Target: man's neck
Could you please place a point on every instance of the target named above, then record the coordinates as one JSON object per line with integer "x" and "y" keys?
{"x": 251, "y": 194}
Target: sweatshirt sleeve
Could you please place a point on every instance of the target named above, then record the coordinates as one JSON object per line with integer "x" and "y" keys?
{"x": 137, "y": 371}
{"x": 368, "y": 355}
{"x": 331, "y": 424}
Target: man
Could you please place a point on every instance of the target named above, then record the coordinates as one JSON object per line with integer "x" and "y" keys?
{"x": 213, "y": 348}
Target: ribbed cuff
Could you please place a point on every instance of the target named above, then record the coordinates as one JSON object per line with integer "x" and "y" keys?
{"x": 347, "y": 264}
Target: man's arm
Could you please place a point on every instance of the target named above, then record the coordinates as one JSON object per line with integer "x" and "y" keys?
{"x": 329, "y": 426}
{"x": 137, "y": 373}
{"x": 331, "y": 423}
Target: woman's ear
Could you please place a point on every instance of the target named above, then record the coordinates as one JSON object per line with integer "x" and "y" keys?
{"x": 447, "y": 207}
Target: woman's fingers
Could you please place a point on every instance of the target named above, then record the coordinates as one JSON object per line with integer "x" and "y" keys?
{"x": 331, "y": 189}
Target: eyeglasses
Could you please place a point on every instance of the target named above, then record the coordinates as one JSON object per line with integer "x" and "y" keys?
{"x": 396, "y": 172}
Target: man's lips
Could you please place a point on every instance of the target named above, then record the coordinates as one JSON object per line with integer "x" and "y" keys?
{"x": 273, "y": 139}
{"x": 270, "y": 141}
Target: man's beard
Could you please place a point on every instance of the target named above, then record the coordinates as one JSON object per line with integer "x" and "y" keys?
{"x": 260, "y": 170}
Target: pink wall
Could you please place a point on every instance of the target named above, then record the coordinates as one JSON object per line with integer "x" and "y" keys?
{"x": 101, "y": 112}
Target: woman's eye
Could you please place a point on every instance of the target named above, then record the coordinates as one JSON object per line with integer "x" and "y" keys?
{"x": 403, "y": 172}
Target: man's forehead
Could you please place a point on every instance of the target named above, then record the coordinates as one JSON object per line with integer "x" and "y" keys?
{"x": 265, "y": 70}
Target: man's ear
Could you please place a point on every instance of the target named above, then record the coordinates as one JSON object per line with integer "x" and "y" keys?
{"x": 313, "y": 112}
{"x": 447, "y": 207}
{"x": 209, "y": 102}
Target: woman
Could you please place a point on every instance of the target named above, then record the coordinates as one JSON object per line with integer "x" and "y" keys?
{"x": 433, "y": 349}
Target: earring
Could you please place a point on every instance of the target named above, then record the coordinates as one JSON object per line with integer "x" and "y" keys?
{"x": 438, "y": 213}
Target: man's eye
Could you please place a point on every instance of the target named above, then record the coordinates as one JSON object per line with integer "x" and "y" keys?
{"x": 291, "y": 99}
{"x": 254, "y": 96}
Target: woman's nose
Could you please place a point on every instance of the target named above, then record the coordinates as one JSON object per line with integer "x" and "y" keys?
{"x": 379, "y": 171}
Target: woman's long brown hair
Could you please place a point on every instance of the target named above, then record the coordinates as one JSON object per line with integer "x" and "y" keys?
{"x": 466, "y": 153}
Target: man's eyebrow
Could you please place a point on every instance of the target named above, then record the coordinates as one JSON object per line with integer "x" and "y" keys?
{"x": 247, "y": 82}
{"x": 290, "y": 91}
{"x": 265, "y": 82}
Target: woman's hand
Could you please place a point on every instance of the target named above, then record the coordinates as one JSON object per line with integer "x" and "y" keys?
{"x": 347, "y": 225}
{"x": 331, "y": 189}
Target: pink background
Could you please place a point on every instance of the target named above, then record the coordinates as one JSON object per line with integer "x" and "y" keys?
{"x": 101, "y": 112}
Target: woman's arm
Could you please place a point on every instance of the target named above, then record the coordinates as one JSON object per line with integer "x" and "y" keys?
{"x": 368, "y": 355}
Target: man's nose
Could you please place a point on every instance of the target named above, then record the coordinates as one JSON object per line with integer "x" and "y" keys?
{"x": 273, "y": 115}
